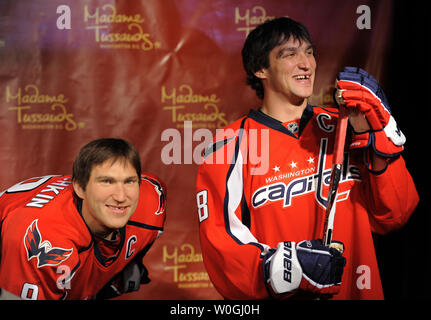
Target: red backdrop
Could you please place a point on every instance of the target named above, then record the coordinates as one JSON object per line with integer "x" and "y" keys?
{"x": 138, "y": 70}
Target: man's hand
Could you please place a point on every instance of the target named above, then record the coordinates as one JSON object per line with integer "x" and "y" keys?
{"x": 128, "y": 280}
{"x": 359, "y": 91}
{"x": 6, "y": 295}
{"x": 308, "y": 266}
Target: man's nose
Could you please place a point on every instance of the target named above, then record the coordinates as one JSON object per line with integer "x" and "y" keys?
{"x": 119, "y": 193}
{"x": 304, "y": 61}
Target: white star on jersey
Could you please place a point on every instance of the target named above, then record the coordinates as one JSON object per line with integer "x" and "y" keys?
{"x": 310, "y": 160}
{"x": 276, "y": 169}
{"x": 293, "y": 164}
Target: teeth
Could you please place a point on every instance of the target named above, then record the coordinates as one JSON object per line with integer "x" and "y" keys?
{"x": 302, "y": 77}
{"x": 117, "y": 208}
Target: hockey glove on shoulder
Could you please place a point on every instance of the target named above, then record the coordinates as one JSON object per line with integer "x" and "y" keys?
{"x": 309, "y": 266}
{"x": 358, "y": 90}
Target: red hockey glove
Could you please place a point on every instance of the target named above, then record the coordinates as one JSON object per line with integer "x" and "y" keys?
{"x": 309, "y": 266}
{"x": 359, "y": 91}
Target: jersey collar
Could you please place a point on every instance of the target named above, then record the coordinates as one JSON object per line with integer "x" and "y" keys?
{"x": 275, "y": 124}
{"x": 104, "y": 260}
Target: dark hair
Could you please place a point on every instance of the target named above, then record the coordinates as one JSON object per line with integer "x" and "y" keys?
{"x": 98, "y": 151}
{"x": 264, "y": 38}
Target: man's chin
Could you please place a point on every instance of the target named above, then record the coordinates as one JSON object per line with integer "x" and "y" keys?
{"x": 115, "y": 223}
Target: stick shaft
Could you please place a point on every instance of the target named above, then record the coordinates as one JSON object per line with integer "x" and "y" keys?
{"x": 340, "y": 139}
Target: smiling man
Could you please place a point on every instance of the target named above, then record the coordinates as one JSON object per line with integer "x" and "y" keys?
{"x": 288, "y": 80}
{"x": 82, "y": 236}
{"x": 261, "y": 233}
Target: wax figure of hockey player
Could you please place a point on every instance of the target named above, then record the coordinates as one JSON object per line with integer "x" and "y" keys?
{"x": 81, "y": 236}
{"x": 261, "y": 221}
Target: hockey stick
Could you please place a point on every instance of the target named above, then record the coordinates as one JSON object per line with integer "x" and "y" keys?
{"x": 337, "y": 164}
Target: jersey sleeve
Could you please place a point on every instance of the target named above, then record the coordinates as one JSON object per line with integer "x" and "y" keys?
{"x": 150, "y": 214}
{"x": 35, "y": 263}
{"x": 393, "y": 197}
{"x": 37, "y": 260}
{"x": 152, "y": 203}
{"x": 231, "y": 253}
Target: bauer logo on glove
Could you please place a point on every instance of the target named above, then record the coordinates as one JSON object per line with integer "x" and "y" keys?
{"x": 359, "y": 91}
{"x": 308, "y": 266}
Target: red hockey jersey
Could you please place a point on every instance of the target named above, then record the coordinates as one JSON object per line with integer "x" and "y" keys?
{"x": 263, "y": 182}
{"x": 47, "y": 250}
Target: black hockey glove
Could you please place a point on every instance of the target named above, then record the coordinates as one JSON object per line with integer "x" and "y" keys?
{"x": 128, "y": 280}
{"x": 308, "y": 266}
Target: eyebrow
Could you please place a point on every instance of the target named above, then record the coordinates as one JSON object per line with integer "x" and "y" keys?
{"x": 291, "y": 49}
{"x": 100, "y": 178}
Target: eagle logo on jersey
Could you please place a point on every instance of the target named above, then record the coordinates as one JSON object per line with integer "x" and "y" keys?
{"x": 46, "y": 254}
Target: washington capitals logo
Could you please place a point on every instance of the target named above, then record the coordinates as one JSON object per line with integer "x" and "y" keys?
{"x": 314, "y": 182}
{"x": 42, "y": 250}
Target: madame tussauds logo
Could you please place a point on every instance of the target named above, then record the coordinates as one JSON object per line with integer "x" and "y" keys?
{"x": 103, "y": 20}
{"x": 249, "y": 19}
{"x": 186, "y": 266}
{"x": 175, "y": 101}
{"x": 53, "y": 116}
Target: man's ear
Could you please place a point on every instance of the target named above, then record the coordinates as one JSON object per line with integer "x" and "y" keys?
{"x": 261, "y": 74}
{"x": 78, "y": 190}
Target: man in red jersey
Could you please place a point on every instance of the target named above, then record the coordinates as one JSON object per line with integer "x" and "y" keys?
{"x": 82, "y": 236}
{"x": 261, "y": 221}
